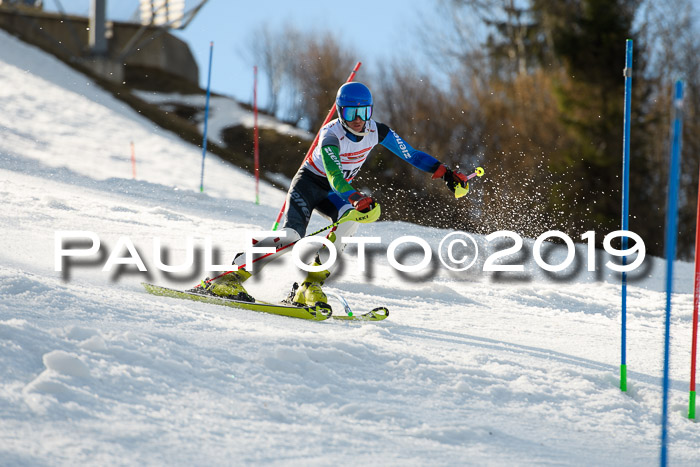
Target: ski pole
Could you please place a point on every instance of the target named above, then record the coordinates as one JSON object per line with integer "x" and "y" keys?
{"x": 478, "y": 172}
{"x": 352, "y": 215}
{"x": 315, "y": 142}
{"x": 462, "y": 190}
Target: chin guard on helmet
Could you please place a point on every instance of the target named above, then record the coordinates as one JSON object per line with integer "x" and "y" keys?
{"x": 364, "y": 131}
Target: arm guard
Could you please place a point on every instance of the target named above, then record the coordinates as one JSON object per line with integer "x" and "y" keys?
{"x": 334, "y": 172}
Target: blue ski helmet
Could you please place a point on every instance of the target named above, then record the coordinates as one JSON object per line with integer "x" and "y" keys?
{"x": 353, "y": 100}
{"x": 353, "y": 94}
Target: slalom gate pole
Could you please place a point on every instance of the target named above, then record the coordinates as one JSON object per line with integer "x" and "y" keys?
{"x": 133, "y": 161}
{"x": 206, "y": 117}
{"x": 671, "y": 228}
{"x": 625, "y": 209}
{"x": 315, "y": 142}
{"x": 322, "y": 229}
{"x": 696, "y": 299}
{"x": 256, "y": 144}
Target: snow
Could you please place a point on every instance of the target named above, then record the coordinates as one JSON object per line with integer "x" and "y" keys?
{"x": 470, "y": 368}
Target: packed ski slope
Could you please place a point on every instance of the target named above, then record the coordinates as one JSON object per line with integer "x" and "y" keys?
{"x": 469, "y": 369}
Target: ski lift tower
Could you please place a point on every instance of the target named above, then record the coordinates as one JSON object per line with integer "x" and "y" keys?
{"x": 120, "y": 52}
{"x": 97, "y": 39}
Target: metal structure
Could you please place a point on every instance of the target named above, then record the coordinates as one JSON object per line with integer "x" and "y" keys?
{"x": 25, "y": 3}
{"x": 162, "y": 12}
{"x": 97, "y": 39}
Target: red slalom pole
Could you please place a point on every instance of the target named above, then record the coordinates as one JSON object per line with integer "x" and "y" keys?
{"x": 696, "y": 299}
{"x": 315, "y": 142}
{"x": 256, "y": 144}
{"x": 133, "y": 160}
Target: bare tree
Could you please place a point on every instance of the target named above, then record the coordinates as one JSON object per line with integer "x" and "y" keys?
{"x": 303, "y": 72}
{"x": 672, "y": 30}
{"x": 320, "y": 66}
{"x": 273, "y": 52}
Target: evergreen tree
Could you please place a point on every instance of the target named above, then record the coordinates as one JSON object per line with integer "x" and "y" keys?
{"x": 588, "y": 38}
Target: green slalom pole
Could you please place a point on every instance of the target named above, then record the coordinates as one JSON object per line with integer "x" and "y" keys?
{"x": 623, "y": 378}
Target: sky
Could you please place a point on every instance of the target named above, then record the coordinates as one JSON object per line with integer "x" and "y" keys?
{"x": 382, "y": 30}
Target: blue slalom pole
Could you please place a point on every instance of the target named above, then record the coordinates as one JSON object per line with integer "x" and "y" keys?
{"x": 671, "y": 227}
{"x": 206, "y": 118}
{"x": 625, "y": 209}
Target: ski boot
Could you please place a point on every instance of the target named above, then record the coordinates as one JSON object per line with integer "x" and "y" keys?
{"x": 310, "y": 292}
{"x": 230, "y": 286}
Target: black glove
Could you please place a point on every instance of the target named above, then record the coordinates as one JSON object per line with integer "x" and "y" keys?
{"x": 361, "y": 202}
{"x": 451, "y": 177}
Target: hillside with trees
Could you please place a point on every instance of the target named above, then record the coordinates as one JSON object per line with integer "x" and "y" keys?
{"x": 532, "y": 91}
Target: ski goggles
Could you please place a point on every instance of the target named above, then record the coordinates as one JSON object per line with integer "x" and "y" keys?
{"x": 351, "y": 113}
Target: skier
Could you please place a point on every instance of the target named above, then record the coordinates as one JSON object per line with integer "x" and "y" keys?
{"x": 323, "y": 183}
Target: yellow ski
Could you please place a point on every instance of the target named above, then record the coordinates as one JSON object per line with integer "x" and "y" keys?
{"x": 315, "y": 313}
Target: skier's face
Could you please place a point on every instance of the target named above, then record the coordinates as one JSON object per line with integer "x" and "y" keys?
{"x": 356, "y": 124}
